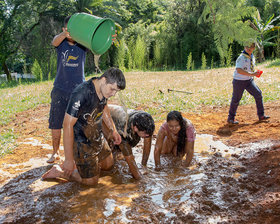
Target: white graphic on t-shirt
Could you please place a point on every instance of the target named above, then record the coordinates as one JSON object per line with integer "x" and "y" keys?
{"x": 66, "y": 59}
{"x": 76, "y": 105}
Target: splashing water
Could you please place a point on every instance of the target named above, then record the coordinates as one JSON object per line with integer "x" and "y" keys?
{"x": 96, "y": 63}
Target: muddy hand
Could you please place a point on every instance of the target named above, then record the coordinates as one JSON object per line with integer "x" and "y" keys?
{"x": 68, "y": 168}
{"x": 117, "y": 138}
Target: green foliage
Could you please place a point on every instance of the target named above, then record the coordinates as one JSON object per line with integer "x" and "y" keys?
{"x": 193, "y": 67}
{"x": 278, "y": 45}
{"x": 203, "y": 61}
{"x": 229, "y": 57}
{"x": 139, "y": 53}
{"x": 37, "y": 71}
{"x": 228, "y": 25}
{"x": 222, "y": 62}
{"x": 157, "y": 54}
{"x": 168, "y": 29}
{"x": 264, "y": 29}
{"x": 189, "y": 62}
{"x": 121, "y": 54}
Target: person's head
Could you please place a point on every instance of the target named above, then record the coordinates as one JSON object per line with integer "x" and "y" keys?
{"x": 174, "y": 121}
{"x": 143, "y": 124}
{"x": 250, "y": 47}
{"x": 66, "y": 21}
{"x": 112, "y": 81}
{"x": 177, "y": 125}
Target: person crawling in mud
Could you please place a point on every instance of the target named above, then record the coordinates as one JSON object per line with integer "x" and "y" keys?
{"x": 85, "y": 148}
{"x": 132, "y": 125}
{"x": 176, "y": 136}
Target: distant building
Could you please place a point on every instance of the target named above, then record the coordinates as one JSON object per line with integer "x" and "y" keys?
{"x": 16, "y": 76}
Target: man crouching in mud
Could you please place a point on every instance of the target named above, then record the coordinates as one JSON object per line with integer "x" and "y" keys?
{"x": 85, "y": 148}
{"x": 132, "y": 125}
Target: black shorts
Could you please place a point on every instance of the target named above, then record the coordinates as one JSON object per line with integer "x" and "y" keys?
{"x": 88, "y": 156}
{"x": 59, "y": 102}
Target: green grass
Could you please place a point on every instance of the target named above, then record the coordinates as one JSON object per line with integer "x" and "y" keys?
{"x": 7, "y": 140}
{"x": 21, "y": 98}
{"x": 274, "y": 63}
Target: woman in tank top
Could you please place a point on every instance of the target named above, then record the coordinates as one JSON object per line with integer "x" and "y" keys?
{"x": 176, "y": 136}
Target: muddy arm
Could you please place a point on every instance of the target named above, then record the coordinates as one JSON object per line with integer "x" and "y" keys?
{"x": 146, "y": 150}
{"x": 111, "y": 128}
{"x": 158, "y": 147}
{"x": 129, "y": 158}
{"x": 68, "y": 141}
{"x": 133, "y": 167}
{"x": 189, "y": 149}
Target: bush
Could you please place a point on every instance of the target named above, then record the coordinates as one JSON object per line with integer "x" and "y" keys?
{"x": 189, "y": 62}
{"x": 37, "y": 71}
{"x": 203, "y": 61}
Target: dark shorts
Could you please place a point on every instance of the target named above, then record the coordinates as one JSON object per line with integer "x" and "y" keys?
{"x": 59, "y": 102}
{"x": 87, "y": 157}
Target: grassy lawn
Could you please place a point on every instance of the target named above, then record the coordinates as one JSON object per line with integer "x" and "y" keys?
{"x": 149, "y": 91}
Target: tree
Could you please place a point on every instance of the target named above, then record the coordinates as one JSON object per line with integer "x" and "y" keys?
{"x": 18, "y": 19}
{"x": 230, "y": 22}
{"x": 264, "y": 29}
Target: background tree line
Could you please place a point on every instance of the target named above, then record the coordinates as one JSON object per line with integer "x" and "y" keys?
{"x": 152, "y": 35}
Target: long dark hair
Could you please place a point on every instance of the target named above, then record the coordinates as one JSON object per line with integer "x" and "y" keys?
{"x": 175, "y": 115}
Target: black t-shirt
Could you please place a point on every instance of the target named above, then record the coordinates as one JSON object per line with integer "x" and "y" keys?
{"x": 85, "y": 105}
{"x": 123, "y": 121}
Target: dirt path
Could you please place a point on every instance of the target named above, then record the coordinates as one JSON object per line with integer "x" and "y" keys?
{"x": 263, "y": 169}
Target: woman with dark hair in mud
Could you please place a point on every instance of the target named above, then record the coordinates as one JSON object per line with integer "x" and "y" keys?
{"x": 176, "y": 136}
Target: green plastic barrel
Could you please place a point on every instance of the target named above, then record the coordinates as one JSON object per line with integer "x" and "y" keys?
{"x": 93, "y": 32}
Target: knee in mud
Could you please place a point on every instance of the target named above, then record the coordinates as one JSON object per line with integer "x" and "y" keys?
{"x": 90, "y": 181}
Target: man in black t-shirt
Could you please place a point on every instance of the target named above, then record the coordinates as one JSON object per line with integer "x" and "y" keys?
{"x": 132, "y": 125}
{"x": 85, "y": 147}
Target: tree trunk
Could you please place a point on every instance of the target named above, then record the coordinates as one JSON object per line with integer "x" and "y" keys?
{"x": 7, "y": 72}
{"x": 260, "y": 54}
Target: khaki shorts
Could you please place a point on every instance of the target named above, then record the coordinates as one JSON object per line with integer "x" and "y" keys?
{"x": 88, "y": 156}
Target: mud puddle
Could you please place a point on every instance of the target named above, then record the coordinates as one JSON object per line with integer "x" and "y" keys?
{"x": 215, "y": 189}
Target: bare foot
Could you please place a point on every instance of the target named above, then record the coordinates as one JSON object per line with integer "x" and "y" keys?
{"x": 54, "y": 172}
{"x": 53, "y": 158}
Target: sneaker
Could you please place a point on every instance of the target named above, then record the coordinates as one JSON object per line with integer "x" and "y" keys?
{"x": 262, "y": 118}
{"x": 232, "y": 122}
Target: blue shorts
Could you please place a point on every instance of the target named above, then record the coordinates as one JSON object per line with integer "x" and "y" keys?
{"x": 59, "y": 102}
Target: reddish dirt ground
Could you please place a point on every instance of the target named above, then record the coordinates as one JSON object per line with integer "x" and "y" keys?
{"x": 34, "y": 124}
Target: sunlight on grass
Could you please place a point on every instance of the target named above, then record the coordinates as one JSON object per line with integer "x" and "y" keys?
{"x": 21, "y": 98}
{"x": 7, "y": 139}
{"x": 149, "y": 91}
{"x": 273, "y": 63}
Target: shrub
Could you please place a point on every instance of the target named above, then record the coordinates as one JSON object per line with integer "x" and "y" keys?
{"x": 37, "y": 71}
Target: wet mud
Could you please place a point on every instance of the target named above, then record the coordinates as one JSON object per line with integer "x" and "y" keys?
{"x": 226, "y": 182}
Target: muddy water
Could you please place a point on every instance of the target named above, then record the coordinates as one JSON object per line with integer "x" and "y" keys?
{"x": 213, "y": 190}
